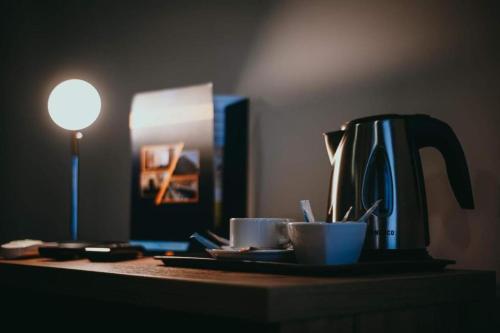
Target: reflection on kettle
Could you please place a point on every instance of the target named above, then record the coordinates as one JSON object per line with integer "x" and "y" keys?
{"x": 378, "y": 158}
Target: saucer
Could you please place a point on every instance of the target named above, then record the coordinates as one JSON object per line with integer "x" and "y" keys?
{"x": 227, "y": 253}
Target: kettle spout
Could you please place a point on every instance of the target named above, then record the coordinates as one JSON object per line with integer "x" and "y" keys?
{"x": 332, "y": 141}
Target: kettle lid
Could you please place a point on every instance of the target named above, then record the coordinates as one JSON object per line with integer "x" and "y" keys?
{"x": 379, "y": 117}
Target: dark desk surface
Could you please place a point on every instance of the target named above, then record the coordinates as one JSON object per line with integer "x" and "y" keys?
{"x": 258, "y": 297}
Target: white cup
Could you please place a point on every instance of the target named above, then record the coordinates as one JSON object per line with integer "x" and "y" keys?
{"x": 321, "y": 243}
{"x": 262, "y": 233}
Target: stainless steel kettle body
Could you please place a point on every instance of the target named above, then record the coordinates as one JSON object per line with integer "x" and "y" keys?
{"x": 378, "y": 158}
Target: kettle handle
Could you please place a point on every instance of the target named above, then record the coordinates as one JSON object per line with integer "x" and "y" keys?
{"x": 426, "y": 131}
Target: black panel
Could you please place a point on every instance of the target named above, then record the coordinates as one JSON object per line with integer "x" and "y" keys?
{"x": 235, "y": 164}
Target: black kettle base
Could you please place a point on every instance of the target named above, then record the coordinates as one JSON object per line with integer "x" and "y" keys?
{"x": 394, "y": 255}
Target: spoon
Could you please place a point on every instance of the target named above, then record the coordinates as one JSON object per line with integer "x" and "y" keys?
{"x": 208, "y": 244}
{"x": 370, "y": 210}
{"x": 307, "y": 211}
{"x": 346, "y": 216}
{"x": 220, "y": 239}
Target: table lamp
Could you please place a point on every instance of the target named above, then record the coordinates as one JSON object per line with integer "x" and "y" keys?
{"x": 74, "y": 105}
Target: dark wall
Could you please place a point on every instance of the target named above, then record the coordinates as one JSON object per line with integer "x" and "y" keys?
{"x": 122, "y": 47}
{"x": 308, "y": 66}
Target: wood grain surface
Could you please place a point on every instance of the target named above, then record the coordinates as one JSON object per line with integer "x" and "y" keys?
{"x": 256, "y": 297}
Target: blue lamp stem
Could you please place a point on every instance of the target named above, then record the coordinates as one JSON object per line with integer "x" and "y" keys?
{"x": 75, "y": 156}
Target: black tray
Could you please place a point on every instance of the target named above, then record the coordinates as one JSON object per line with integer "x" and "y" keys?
{"x": 361, "y": 268}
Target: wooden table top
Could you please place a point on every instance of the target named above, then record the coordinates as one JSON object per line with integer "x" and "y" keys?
{"x": 261, "y": 297}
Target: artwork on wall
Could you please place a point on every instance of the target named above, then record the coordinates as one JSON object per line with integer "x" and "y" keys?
{"x": 170, "y": 174}
{"x": 189, "y": 154}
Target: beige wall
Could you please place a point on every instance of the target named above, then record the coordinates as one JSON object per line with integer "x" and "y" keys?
{"x": 308, "y": 67}
{"x": 317, "y": 65}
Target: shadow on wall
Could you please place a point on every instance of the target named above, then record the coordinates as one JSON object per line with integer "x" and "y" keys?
{"x": 470, "y": 237}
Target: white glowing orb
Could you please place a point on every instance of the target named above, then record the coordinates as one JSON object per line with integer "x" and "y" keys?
{"x": 74, "y": 104}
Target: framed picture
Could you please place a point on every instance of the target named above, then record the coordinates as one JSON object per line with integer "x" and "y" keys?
{"x": 189, "y": 162}
{"x": 169, "y": 174}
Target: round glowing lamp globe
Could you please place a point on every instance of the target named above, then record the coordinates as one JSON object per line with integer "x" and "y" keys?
{"x": 74, "y": 104}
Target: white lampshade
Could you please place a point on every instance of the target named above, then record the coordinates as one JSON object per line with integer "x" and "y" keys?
{"x": 74, "y": 104}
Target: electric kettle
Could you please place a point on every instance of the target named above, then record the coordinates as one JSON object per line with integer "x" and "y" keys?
{"x": 378, "y": 157}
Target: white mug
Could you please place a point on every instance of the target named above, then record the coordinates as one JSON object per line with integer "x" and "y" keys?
{"x": 320, "y": 243}
{"x": 262, "y": 233}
